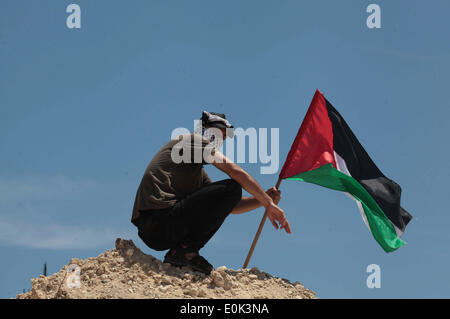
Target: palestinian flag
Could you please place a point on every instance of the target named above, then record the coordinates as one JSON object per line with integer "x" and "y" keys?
{"x": 327, "y": 153}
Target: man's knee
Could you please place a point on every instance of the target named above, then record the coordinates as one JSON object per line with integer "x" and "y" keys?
{"x": 154, "y": 232}
{"x": 234, "y": 190}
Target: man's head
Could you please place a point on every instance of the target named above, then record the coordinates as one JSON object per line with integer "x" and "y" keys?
{"x": 217, "y": 120}
{"x": 212, "y": 124}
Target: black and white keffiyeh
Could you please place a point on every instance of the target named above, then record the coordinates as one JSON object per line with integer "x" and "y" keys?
{"x": 217, "y": 120}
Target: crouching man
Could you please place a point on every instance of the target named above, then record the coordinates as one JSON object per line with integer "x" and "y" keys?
{"x": 178, "y": 208}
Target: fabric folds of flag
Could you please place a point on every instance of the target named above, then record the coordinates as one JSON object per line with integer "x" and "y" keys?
{"x": 327, "y": 153}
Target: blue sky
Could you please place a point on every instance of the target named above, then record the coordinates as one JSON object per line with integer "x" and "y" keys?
{"x": 83, "y": 111}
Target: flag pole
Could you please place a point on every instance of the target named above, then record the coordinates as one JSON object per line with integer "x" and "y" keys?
{"x": 261, "y": 225}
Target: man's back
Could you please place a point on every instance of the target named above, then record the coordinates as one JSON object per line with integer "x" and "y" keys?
{"x": 165, "y": 182}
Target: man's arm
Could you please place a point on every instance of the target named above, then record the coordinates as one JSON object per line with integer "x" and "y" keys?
{"x": 275, "y": 214}
{"x": 245, "y": 205}
{"x": 251, "y": 203}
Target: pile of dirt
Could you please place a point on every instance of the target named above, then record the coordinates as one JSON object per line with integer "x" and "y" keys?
{"x": 126, "y": 272}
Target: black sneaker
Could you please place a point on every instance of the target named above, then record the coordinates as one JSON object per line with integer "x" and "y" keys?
{"x": 197, "y": 263}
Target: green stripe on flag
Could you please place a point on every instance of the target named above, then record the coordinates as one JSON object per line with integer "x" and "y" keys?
{"x": 381, "y": 227}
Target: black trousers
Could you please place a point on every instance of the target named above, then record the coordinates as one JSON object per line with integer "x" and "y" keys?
{"x": 193, "y": 220}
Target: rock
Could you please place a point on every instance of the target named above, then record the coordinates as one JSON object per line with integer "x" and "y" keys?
{"x": 227, "y": 285}
{"x": 254, "y": 270}
{"x": 129, "y": 252}
{"x": 191, "y": 291}
{"x": 217, "y": 279}
{"x": 202, "y": 292}
{"x": 187, "y": 276}
{"x": 75, "y": 261}
{"x": 221, "y": 269}
{"x": 101, "y": 270}
{"x": 127, "y": 270}
{"x": 163, "y": 288}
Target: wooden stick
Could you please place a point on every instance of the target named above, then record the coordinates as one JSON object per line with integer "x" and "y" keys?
{"x": 261, "y": 225}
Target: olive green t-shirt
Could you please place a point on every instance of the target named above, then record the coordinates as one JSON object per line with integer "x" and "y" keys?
{"x": 174, "y": 172}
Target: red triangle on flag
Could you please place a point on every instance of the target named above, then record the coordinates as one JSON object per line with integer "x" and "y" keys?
{"x": 313, "y": 145}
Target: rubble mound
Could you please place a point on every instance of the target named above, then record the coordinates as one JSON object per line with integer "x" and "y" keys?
{"x": 126, "y": 272}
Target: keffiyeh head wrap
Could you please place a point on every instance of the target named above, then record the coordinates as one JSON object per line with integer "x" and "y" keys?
{"x": 214, "y": 120}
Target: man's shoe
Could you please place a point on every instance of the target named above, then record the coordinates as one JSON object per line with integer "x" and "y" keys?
{"x": 197, "y": 263}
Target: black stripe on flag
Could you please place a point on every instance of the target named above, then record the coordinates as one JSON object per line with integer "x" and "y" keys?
{"x": 385, "y": 191}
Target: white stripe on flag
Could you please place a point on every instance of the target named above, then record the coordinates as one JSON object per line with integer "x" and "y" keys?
{"x": 342, "y": 167}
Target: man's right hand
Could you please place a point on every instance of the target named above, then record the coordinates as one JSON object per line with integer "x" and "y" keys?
{"x": 275, "y": 213}
{"x": 277, "y": 217}
{"x": 275, "y": 194}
